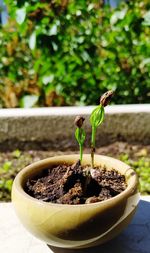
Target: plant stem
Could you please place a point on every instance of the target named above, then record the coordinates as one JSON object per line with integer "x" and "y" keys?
{"x": 81, "y": 152}
{"x": 93, "y": 136}
{"x": 93, "y": 146}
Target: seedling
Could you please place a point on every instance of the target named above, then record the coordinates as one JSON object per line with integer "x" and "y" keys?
{"x": 96, "y": 119}
{"x": 80, "y": 134}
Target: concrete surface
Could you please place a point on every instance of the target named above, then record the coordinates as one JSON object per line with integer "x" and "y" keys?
{"x": 134, "y": 239}
{"x": 54, "y": 127}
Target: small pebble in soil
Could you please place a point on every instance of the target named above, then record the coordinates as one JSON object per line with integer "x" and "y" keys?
{"x": 74, "y": 184}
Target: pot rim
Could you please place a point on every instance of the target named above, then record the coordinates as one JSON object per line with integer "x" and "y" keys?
{"x": 130, "y": 175}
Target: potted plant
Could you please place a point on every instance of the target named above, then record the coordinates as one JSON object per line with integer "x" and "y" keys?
{"x": 76, "y": 201}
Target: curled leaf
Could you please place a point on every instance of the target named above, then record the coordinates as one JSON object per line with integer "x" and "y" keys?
{"x": 80, "y": 135}
{"x": 97, "y": 116}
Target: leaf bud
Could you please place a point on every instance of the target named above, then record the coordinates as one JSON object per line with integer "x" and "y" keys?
{"x": 106, "y": 97}
{"x": 79, "y": 121}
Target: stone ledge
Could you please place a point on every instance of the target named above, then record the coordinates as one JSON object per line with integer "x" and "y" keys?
{"x": 53, "y": 127}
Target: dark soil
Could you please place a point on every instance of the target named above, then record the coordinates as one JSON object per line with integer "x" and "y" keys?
{"x": 76, "y": 184}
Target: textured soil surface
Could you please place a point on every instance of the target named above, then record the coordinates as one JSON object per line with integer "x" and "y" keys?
{"x": 76, "y": 184}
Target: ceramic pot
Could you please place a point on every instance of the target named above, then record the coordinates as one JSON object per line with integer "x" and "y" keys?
{"x": 75, "y": 226}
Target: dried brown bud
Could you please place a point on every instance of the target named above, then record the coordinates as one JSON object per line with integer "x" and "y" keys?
{"x": 79, "y": 121}
{"x": 106, "y": 97}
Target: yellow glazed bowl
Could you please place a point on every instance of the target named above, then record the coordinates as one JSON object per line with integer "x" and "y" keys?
{"x": 75, "y": 226}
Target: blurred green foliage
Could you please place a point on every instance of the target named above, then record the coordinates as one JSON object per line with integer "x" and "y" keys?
{"x": 67, "y": 52}
{"x": 142, "y": 168}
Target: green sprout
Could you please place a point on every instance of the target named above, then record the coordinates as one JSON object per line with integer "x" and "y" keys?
{"x": 97, "y": 118}
{"x": 80, "y": 134}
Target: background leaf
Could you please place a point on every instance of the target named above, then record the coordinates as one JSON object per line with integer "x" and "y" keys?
{"x": 28, "y": 101}
{"x": 32, "y": 41}
{"x": 20, "y": 15}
